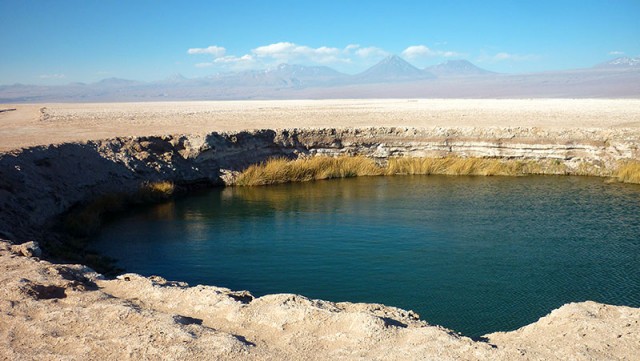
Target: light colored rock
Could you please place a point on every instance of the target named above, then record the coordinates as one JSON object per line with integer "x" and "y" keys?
{"x": 28, "y": 249}
{"x": 586, "y": 330}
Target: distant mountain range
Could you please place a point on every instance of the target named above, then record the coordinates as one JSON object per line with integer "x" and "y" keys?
{"x": 393, "y": 77}
{"x": 455, "y": 68}
{"x": 392, "y": 69}
{"x": 621, "y": 63}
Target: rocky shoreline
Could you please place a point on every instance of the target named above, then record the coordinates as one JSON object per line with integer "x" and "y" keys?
{"x": 72, "y": 312}
{"x": 39, "y": 183}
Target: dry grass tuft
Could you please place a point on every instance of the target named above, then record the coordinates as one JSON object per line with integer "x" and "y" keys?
{"x": 154, "y": 191}
{"x": 454, "y": 166}
{"x": 480, "y": 166}
{"x": 628, "y": 172}
{"x": 280, "y": 170}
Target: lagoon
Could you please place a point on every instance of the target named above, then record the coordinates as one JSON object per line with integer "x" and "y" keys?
{"x": 474, "y": 254}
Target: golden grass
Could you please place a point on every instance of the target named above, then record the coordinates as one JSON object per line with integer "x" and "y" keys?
{"x": 455, "y": 166}
{"x": 280, "y": 170}
{"x": 154, "y": 191}
{"x": 487, "y": 167}
{"x": 628, "y": 172}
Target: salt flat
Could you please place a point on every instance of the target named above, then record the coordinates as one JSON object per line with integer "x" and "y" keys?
{"x": 42, "y": 124}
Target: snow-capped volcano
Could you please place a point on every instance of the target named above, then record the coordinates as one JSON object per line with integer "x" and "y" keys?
{"x": 456, "y": 68}
{"x": 622, "y": 62}
{"x": 303, "y": 72}
{"x": 392, "y": 68}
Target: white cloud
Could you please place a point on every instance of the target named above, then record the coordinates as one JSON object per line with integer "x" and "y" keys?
{"x": 230, "y": 62}
{"x": 449, "y": 54}
{"x": 423, "y": 51}
{"x": 514, "y": 57}
{"x": 221, "y": 59}
{"x": 286, "y": 51}
{"x": 351, "y": 47}
{"x": 616, "y": 52}
{"x": 416, "y": 51}
{"x": 504, "y": 56}
{"x": 234, "y": 59}
{"x": 52, "y": 76}
{"x": 352, "y": 57}
{"x": 277, "y": 50}
{"x": 371, "y": 51}
{"x": 216, "y": 51}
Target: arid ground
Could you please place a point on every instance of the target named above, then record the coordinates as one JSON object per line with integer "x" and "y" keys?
{"x": 41, "y": 124}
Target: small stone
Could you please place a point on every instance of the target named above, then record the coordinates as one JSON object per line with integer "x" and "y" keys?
{"x": 28, "y": 249}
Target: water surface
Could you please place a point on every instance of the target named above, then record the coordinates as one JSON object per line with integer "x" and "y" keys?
{"x": 474, "y": 254}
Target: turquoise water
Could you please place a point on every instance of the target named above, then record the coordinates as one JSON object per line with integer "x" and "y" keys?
{"x": 474, "y": 254}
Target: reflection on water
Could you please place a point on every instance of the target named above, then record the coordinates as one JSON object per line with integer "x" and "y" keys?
{"x": 476, "y": 254}
{"x": 165, "y": 211}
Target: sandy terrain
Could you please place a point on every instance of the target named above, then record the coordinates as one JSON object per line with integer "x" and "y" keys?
{"x": 40, "y": 124}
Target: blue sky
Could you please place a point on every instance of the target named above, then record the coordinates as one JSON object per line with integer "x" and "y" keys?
{"x": 57, "y": 42}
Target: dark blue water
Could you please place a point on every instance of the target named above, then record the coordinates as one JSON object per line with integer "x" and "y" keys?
{"x": 475, "y": 254}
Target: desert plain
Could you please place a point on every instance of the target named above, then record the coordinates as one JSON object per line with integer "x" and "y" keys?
{"x": 42, "y": 124}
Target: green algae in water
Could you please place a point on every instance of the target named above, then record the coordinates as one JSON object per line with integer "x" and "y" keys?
{"x": 474, "y": 254}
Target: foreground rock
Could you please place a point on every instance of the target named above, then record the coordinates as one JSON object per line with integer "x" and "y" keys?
{"x": 54, "y": 311}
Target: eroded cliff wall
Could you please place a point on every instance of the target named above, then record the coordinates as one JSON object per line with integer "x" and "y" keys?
{"x": 39, "y": 183}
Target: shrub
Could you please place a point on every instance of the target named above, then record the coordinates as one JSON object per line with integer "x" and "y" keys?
{"x": 154, "y": 191}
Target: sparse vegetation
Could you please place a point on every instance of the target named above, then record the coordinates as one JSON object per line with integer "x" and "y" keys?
{"x": 281, "y": 170}
{"x": 154, "y": 191}
{"x": 628, "y": 172}
{"x": 455, "y": 166}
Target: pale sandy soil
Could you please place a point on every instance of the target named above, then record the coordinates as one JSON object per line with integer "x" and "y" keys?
{"x": 41, "y": 124}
